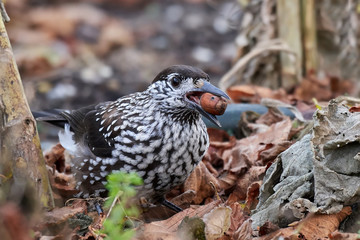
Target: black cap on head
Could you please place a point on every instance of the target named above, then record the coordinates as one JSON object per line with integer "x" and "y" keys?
{"x": 183, "y": 70}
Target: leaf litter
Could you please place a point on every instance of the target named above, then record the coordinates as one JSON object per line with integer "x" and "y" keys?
{"x": 264, "y": 185}
{"x": 258, "y": 187}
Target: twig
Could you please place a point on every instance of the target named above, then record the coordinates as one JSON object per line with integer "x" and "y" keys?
{"x": 5, "y": 16}
{"x": 215, "y": 190}
{"x": 275, "y": 45}
{"x": 113, "y": 203}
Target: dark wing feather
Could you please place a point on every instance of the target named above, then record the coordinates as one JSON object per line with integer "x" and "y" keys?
{"x": 88, "y": 125}
{"x": 100, "y": 145}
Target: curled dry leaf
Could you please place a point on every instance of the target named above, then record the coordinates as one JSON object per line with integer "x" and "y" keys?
{"x": 237, "y": 218}
{"x": 354, "y": 109}
{"x": 271, "y": 151}
{"x": 55, "y": 158}
{"x": 220, "y": 139}
{"x": 62, "y": 183}
{"x": 202, "y": 182}
{"x": 228, "y": 180}
{"x": 217, "y": 222}
{"x": 166, "y": 229}
{"x": 247, "y": 150}
{"x": 267, "y": 228}
{"x": 243, "y": 183}
{"x": 272, "y": 116}
{"x": 252, "y": 196}
{"x": 184, "y": 199}
{"x": 244, "y": 231}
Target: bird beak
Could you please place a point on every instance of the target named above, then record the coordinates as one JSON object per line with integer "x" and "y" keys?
{"x": 194, "y": 95}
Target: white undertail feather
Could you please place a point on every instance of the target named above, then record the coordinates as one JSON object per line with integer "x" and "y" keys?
{"x": 67, "y": 141}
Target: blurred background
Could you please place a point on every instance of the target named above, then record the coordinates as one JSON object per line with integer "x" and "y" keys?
{"x": 73, "y": 53}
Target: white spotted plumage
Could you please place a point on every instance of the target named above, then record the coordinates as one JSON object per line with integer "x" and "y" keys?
{"x": 155, "y": 133}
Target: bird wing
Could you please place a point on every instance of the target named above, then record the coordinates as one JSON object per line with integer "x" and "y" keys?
{"x": 91, "y": 127}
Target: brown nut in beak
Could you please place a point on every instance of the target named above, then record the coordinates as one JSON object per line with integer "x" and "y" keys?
{"x": 213, "y": 104}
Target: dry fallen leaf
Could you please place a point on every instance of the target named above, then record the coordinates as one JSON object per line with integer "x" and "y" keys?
{"x": 354, "y": 109}
{"x": 217, "y": 222}
{"x": 253, "y": 94}
{"x": 252, "y": 196}
{"x": 166, "y": 229}
{"x": 243, "y": 183}
{"x": 60, "y": 215}
{"x": 55, "y": 158}
{"x": 343, "y": 236}
{"x": 247, "y": 150}
{"x": 312, "y": 87}
{"x": 244, "y": 231}
{"x": 202, "y": 182}
{"x": 237, "y": 218}
{"x": 314, "y": 226}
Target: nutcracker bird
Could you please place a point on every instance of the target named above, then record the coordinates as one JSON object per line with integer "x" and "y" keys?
{"x": 157, "y": 133}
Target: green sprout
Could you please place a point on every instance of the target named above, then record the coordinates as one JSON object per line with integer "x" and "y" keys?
{"x": 121, "y": 190}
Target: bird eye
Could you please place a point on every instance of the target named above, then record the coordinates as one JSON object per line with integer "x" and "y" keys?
{"x": 175, "y": 81}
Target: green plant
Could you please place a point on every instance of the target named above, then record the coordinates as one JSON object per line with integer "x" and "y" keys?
{"x": 121, "y": 190}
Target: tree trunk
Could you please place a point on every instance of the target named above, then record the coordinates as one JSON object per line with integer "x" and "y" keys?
{"x": 22, "y": 166}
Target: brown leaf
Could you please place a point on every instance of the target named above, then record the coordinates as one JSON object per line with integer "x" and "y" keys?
{"x": 314, "y": 226}
{"x": 340, "y": 86}
{"x": 202, "y": 182}
{"x": 166, "y": 229}
{"x": 244, "y": 231}
{"x": 60, "y": 215}
{"x": 321, "y": 225}
{"x": 238, "y": 217}
{"x": 253, "y": 94}
{"x": 217, "y": 222}
{"x": 312, "y": 87}
{"x": 271, "y": 151}
{"x": 55, "y": 158}
{"x": 267, "y": 228}
{"x": 272, "y": 116}
{"x": 228, "y": 180}
{"x": 252, "y": 196}
{"x": 220, "y": 139}
{"x": 343, "y": 236}
{"x": 63, "y": 184}
{"x": 247, "y": 150}
{"x": 354, "y": 109}
{"x": 254, "y": 174}
{"x": 184, "y": 199}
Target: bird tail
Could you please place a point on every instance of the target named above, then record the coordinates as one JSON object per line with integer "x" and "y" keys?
{"x": 52, "y": 116}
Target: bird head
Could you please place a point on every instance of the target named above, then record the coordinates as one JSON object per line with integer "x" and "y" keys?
{"x": 179, "y": 88}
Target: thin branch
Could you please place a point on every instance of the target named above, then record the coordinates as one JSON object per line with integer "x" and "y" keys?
{"x": 275, "y": 45}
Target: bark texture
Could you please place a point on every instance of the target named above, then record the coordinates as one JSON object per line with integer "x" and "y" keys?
{"x": 22, "y": 166}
